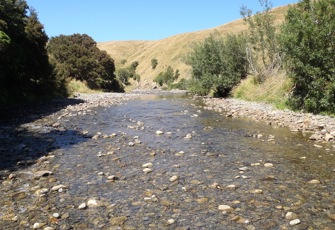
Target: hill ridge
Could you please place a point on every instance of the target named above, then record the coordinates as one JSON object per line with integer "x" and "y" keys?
{"x": 169, "y": 51}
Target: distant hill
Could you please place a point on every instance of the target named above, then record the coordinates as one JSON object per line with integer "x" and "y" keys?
{"x": 169, "y": 51}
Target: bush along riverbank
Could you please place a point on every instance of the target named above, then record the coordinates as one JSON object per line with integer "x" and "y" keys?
{"x": 317, "y": 127}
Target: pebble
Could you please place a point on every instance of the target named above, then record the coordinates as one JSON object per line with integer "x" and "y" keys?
{"x": 49, "y": 228}
{"x": 173, "y": 178}
{"x": 294, "y": 222}
{"x": 243, "y": 169}
{"x": 290, "y": 216}
{"x": 232, "y": 186}
{"x": 159, "y": 132}
{"x": 82, "y": 206}
{"x": 188, "y": 136}
{"x": 93, "y": 203}
{"x": 171, "y": 221}
{"x": 38, "y": 225}
{"x": 131, "y": 143}
{"x": 225, "y": 208}
{"x": 314, "y": 181}
{"x": 39, "y": 174}
{"x": 56, "y": 215}
{"x": 268, "y": 165}
{"x": 57, "y": 187}
{"x": 147, "y": 165}
{"x": 147, "y": 170}
{"x": 12, "y": 176}
{"x": 256, "y": 191}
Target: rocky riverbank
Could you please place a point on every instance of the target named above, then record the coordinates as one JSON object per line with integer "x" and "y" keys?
{"x": 319, "y": 128}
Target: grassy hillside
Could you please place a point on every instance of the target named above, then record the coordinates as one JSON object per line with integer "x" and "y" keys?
{"x": 169, "y": 51}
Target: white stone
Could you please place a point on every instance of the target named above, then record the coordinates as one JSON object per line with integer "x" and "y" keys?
{"x": 49, "y": 228}
{"x": 225, "y": 208}
{"x": 295, "y": 222}
{"x": 231, "y": 186}
{"x": 159, "y": 132}
{"x": 268, "y": 165}
{"x": 256, "y": 191}
{"x": 93, "y": 203}
{"x": 171, "y": 221}
{"x": 56, "y": 215}
{"x": 290, "y": 216}
{"x": 243, "y": 168}
{"x": 38, "y": 225}
{"x": 82, "y": 206}
{"x": 57, "y": 187}
{"x": 147, "y": 165}
{"x": 314, "y": 182}
{"x": 147, "y": 170}
{"x": 188, "y": 136}
{"x": 173, "y": 178}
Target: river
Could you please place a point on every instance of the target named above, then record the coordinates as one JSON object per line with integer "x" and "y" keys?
{"x": 163, "y": 162}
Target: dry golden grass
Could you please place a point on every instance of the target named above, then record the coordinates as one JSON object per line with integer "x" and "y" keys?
{"x": 273, "y": 90}
{"x": 170, "y": 51}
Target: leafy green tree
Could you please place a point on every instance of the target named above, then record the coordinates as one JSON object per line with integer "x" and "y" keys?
{"x": 123, "y": 74}
{"x": 167, "y": 77}
{"x": 25, "y": 72}
{"x": 308, "y": 39}
{"x": 123, "y": 61}
{"x": 263, "y": 51}
{"x": 154, "y": 63}
{"x": 218, "y": 64}
{"x": 134, "y": 65}
{"x": 77, "y": 56}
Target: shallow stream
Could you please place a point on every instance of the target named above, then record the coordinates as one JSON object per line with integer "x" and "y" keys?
{"x": 267, "y": 176}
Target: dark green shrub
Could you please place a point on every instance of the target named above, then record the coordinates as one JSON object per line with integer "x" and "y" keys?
{"x": 308, "y": 36}
{"x": 218, "y": 64}
{"x": 167, "y": 77}
{"x": 154, "y": 63}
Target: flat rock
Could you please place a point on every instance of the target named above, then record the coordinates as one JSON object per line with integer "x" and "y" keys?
{"x": 39, "y": 174}
{"x": 314, "y": 181}
{"x": 57, "y": 187}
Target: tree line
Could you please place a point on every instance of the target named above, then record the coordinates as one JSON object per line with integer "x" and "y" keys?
{"x": 303, "y": 46}
{"x": 34, "y": 67}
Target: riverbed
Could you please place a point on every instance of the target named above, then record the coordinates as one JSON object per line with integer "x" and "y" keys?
{"x": 160, "y": 162}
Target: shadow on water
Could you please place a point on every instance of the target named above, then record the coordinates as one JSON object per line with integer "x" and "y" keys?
{"x": 22, "y": 143}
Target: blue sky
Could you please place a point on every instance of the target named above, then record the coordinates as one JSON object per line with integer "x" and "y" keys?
{"x": 110, "y": 20}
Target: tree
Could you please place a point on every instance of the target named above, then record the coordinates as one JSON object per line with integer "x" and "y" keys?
{"x": 154, "y": 63}
{"x": 308, "y": 40}
{"x": 167, "y": 77}
{"x": 263, "y": 51}
{"x": 218, "y": 64}
{"x": 77, "y": 56}
{"x": 25, "y": 71}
